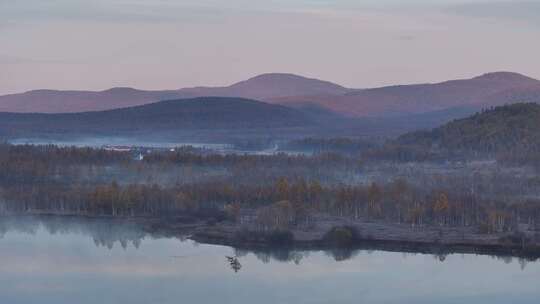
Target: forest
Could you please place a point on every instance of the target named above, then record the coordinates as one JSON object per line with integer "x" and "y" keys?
{"x": 267, "y": 193}
{"x": 509, "y": 134}
{"x": 492, "y": 131}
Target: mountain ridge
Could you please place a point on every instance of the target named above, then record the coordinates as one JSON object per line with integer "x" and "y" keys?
{"x": 478, "y": 92}
{"x": 202, "y": 113}
{"x": 261, "y": 87}
{"x": 296, "y": 91}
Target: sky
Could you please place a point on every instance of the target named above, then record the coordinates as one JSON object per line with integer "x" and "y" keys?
{"x": 168, "y": 44}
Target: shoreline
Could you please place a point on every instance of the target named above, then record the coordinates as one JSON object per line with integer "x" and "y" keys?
{"x": 227, "y": 234}
{"x": 380, "y": 245}
{"x": 405, "y": 246}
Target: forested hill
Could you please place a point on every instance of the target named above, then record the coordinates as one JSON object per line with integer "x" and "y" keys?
{"x": 506, "y": 128}
{"x": 213, "y": 113}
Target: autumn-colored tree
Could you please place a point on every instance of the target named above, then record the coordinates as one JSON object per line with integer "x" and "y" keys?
{"x": 399, "y": 192}
{"x": 282, "y": 188}
{"x": 374, "y": 199}
{"x": 441, "y": 207}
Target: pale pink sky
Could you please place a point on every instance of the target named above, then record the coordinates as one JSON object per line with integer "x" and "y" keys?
{"x": 77, "y": 44}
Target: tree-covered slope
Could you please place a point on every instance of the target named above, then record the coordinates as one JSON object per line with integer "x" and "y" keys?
{"x": 204, "y": 113}
{"x": 500, "y": 129}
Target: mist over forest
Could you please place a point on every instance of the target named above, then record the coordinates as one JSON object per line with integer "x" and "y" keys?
{"x": 436, "y": 185}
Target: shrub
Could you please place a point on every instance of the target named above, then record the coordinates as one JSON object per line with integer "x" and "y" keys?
{"x": 341, "y": 236}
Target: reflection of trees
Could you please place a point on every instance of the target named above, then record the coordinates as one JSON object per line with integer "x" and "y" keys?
{"x": 8, "y": 224}
{"x": 107, "y": 232}
{"x": 238, "y": 252}
{"x": 509, "y": 259}
{"x": 281, "y": 255}
{"x": 441, "y": 257}
{"x": 522, "y": 263}
{"x": 104, "y": 232}
{"x": 286, "y": 255}
{"x": 267, "y": 255}
{"x": 342, "y": 254}
{"x": 234, "y": 263}
{"x": 289, "y": 254}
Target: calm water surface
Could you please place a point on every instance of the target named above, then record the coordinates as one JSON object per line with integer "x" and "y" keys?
{"x": 73, "y": 261}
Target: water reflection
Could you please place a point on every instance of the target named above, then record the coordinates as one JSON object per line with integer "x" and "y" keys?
{"x": 107, "y": 233}
{"x": 234, "y": 263}
{"x": 54, "y": 260}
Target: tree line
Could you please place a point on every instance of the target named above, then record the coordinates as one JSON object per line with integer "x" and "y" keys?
{"x": 274, "y": 192}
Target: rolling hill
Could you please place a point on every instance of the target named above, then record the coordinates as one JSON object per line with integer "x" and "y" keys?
{"x": 261, "y": 87}
{"x": 265, "y": 87}
{"x": 211, "y": 118}
{"x": 501, "y": 129}
{"x": 475, "y": 93}
{"x": 191, "y": 115}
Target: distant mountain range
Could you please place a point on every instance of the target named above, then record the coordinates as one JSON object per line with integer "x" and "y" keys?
{"x": 476, "y": 93}
{"x": 263, "y": 87}
{"x": 271, "y": 105}
{"x": 300, "y": 92}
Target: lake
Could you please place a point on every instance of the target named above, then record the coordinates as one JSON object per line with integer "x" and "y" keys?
{"x": 57, "y": 260}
